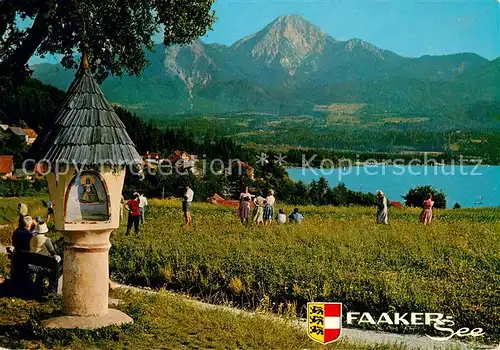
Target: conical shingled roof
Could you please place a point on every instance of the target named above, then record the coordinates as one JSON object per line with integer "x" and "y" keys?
{"x": 86, "y": 131}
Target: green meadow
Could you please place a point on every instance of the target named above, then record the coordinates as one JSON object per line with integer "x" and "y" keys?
{"x": 161, "y": 321}
{"x": 337, "y": 254}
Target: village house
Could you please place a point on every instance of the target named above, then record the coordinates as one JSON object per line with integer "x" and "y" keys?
{"x": 246, "y": 169}
{"x": 19, "y": 132}
{"x": 32, "y": 135}
{"x": 184, "y": 161}
{"x": 28, "y": 135}
{"x": 4, "y": 133}
{"x": 152, "y": 157}
{"x": 6, "y": 166}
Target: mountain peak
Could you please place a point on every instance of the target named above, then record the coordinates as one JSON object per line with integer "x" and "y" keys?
{"x": 290, "y": 18}
{"x": 288, "y": 40}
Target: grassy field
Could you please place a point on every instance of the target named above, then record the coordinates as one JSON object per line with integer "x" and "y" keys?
{"x": 337, "y": 254}
{"x": 8, "y": 207}
{"x": 161, "y": 321}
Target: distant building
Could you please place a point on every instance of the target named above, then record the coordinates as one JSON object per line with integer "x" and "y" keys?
{"x": 19, "y": 132}
{"x": 396, "y": 204}
{"x": 152, "y": 157}
{"x": 4, "y": 131}
{"x": 6, "y": 166}
{"x": 246, "y": 169}
{"x": 184, "y": 161}
{"x": 32, "y": 135}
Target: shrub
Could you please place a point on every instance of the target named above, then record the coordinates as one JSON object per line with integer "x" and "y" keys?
{"x": 21, "y": 188}
{"x": 417, "y": 195}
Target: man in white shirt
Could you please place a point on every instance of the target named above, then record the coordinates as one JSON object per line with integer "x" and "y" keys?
{"x": 186, "y": 204}
{"x": 143, "y": 203}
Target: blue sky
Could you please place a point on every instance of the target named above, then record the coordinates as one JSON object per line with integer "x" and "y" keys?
{"x": 408, "y": 27}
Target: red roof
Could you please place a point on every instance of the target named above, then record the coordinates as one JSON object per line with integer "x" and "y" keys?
{"x": 397, "y": 205}
{"x": 174, "y": 157}
{"x": 242, "y": 164}
{"x": 218, "y": 198}
{"x": 31, "y": 133}
{"x": 6, "y": 164}
{"x": 152, "y": 155}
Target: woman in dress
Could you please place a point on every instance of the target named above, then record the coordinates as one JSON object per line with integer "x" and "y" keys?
{"x": 426, "y": 215}
{"x": 269, "y": 208}
{"x": 260, "y": 203}
{"x": 244, "y": 208}
{"x": 381, "y": 208}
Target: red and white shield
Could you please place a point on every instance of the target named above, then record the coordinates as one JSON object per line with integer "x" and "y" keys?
{"x": 324, "y": 321}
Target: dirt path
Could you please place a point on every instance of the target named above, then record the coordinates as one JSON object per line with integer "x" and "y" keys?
{"x": 355, "y": 335}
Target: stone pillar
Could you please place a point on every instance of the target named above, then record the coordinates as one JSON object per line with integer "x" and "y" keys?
{"x": 86, "y": 273}
{"x": 86, "y": 261}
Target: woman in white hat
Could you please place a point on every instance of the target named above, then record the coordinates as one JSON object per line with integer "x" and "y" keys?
{"x": 381, "y": 208}
{"x": 40, "y": 243}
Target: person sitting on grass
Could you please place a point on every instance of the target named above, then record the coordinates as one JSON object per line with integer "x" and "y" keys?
{"x": 296, "y": 217}
{"x": 40, "y": 243}
{"x": 22, "y": 236}
{"x": 281, "y": 217}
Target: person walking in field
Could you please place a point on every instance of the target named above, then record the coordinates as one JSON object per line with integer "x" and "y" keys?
{"x": 426, "y": 215}
{"x": 382, "y": 212}
{"x": 244, "y": 207}
{"x": 50, "y": 210}
{"x": 269, "y": 208}
{"x": 187, "y": 201}
{"x": 132, "y": 207}
{"x": 22, "y": 211}
{"x": 122, "y": 205}
{"x": 260, "y": 203}
{"x": 143, "y": 203}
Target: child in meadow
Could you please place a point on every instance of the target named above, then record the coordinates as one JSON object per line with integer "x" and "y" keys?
{"x": 281, "y": 217}
{"x": 296, "y": 217}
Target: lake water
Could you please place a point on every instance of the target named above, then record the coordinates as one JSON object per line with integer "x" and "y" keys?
{"x": 471, "y": 186}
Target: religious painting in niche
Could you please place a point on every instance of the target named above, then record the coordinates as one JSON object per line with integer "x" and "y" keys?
{"x": 87, "y": 199}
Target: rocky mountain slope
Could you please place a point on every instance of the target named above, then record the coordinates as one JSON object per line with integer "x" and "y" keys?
{"x": 288, "y": 67}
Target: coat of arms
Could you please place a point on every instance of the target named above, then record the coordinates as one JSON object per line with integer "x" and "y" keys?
{"x": 324, "y": 321}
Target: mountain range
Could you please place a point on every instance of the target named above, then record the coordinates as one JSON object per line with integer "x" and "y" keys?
{"x": 291, "y": 66}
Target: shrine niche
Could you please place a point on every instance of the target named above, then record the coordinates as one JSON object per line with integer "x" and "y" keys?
{"x": 87, "y": 199}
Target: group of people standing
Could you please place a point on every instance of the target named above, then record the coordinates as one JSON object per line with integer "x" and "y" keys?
{"x": 264, "y": 209}
{"x": 263, "y": 213}
{"x": 382, "y": 209}
{"x": 136, "y": 208}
